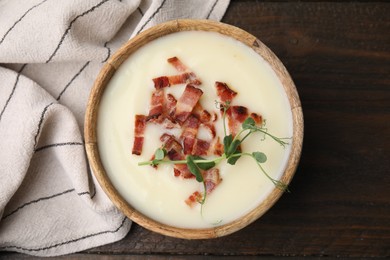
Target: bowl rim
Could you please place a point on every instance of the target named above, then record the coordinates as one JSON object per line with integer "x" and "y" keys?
{"x": 108, "y": 70}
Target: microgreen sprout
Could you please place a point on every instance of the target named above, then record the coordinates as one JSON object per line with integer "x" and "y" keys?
{"x": 232, "y": 151}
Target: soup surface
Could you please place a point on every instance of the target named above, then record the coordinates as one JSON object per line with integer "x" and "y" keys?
{"x": 157, "y": 193}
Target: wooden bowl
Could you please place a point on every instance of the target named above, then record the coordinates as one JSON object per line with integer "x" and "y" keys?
{"x": 108, "y": 71}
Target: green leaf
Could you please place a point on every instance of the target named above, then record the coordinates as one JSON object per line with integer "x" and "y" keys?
{"x": 203, "y": 165}
{"x": 197, "y": 157}
{"x": 233, "y": 147}
{"x": 194, "y": 168}
{"x": 259, "y": 157}
{"x": 233, "y": 160}
{"x": 227, "y": 141}
{"x": 159, "y": 154}
{"x": 248, "y": 123}
{"x": 206, "y": 166}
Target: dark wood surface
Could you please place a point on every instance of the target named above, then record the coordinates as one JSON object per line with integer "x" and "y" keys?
{"x": 338, "y": 54}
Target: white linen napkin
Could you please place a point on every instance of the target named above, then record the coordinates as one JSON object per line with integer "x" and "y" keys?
{"x": 50, "y": 53}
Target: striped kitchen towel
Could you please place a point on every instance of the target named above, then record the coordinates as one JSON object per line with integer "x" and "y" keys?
{"x": 50, "y": 53}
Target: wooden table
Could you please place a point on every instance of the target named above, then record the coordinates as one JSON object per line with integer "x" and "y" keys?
{"x": 338, "y": 54}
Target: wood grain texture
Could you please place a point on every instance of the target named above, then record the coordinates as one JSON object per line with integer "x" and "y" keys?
{"x": 338, "y": 56}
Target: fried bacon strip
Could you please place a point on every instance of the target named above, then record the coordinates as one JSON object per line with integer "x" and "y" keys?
{"x": 186, "y": 103}
{"x": 211, "y": 179}
{"x": 170, "y": 104}
{"x": 211, "y": 129}
{"x": 239, "y": 113}
{"x": 139, "y": 131}
{"x": 161, "y": 109}
{"x": 190, "y": 130}
{"x": 258, "y": 118}
{"x": 179, "y": 66}
{"x": 235, "y": 116}
{"x": 218, "y": 147}
{"x": 191, "y": 144}
{"x": 205, "y": 118}
{"x": 187, "y": 77}
{"x": 169, "y": 108}
{"x": 176, "y": 62}
{"x": 200, "y": 147}
{"x": 201, "y": 113}
{"x": 175, "y": 152}
{"x": 156, "y": 105}
{"x": 184, "y": 78}
{"x": 161, "y": 82}
{"x": 224, "y": 93}
{"x": 173, "y": 147}
{"x": 194, "y": 198}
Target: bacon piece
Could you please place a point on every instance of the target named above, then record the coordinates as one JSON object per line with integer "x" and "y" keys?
{"x": 175, "y": 62}
{"x": 169, "y": 108}
{"x": 186, "y": 103}
{"x": 139, "y": 131}
{"x": 187, "y": 77}
{"x": 191, "y": 144}
{"x": 203, "y": 115}
{"x": 179, "y": 66}
{"x": 190, "y": 130}
{"x": 224, "y": 92}
{"x": 181, "y": 170}
{"x": 194, "y": 198}
{"x": 173, "y": 147}
{"x": 211, "y": 128}
{"x": 218, "y": 147}
{"x": 168, "y": 124}
{"x": 258, "y": 118}
{"x": 236, "y": 115}
{"x": 211, "y": 179}
{"x": 170, "y": 104}
{"x": 184, "y": 78}
{"x": 161, "y": 82}
{"x": 239, "y": 113}
{"x": 175, "y": 152}
{"x": 161, "y": 109}
{"x": 157, "y": 103}
{"x": 200, "y": 147}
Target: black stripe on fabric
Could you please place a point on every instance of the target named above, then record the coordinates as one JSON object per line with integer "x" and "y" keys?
{"x": 70, "y": 26}
{"x": 140, "y": 11}
{"x": 40, "y": 123}
{"x": 20, "y": 19}
{"x": 74, "y": 77}
{"x": 57, "y": 145}
{"x": 69, "y": 241}
{"x": 90, "y": 179}
{"x": 151, "y": 17}
{"x": 212, "y": 9}
{"x": 88, "y": 193}
{"x": 108, "y": 52}
{"x": 13, "y": 90}
{"x": 48, "y": 198}
{"x": 37, "y": 200}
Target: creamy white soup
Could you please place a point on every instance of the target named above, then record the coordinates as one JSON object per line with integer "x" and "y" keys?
{"x": 157, "y": 193}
